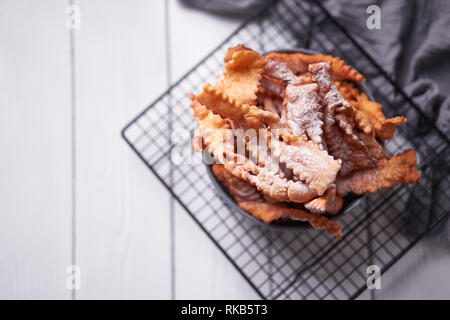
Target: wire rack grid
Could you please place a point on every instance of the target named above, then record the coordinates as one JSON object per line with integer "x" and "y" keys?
{"x": 307, "y": 264}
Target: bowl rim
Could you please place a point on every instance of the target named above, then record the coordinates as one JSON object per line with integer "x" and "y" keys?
{"x": 349, "y": 204}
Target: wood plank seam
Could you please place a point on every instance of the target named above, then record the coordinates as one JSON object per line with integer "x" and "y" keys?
{"x": 171, "y": 199}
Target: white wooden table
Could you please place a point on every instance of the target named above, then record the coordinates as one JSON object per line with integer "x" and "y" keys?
{"x": 72, "y": 192}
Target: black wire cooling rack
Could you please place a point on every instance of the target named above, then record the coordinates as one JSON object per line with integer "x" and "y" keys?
{"x": 306, "y": 264}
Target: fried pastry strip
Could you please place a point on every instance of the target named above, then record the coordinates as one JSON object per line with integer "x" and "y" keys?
{"x": 304, "y": 113}
{"x": 273, "y": 86}
{"x": 311, "y": 165}
{"x": 243, "y": 72}
{"x": 372, "y": 145}
{"x": 342, "y": 141}
{"x": 368, "y": 114}
{"x": 298, "y": 63}
{"x": 371, "y": 116}
{"x": 235, "y": 95}
{"x": 279, "y": 70}
{"x": 260, "y": 151}
{"x": 270, "y": 183}
{"x": 276, "y": 76}
{"x": 270, "y": 103}
{"x": 240, "y": 190}
{"x": 305, "y": 161}
{"x": 401, "y": 168}
{"x": 213, "y": 130}
{"x": 248, "y": 198}
{"x": 308, "y": 162}
{"x": 244, "y": 115}
{"x": 385, "y": 129}
{"x": 330, "y": 202}
{"x": 305, "y": 78}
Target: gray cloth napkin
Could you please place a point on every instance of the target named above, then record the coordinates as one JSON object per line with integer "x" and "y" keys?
{"x": 413, "y": 45}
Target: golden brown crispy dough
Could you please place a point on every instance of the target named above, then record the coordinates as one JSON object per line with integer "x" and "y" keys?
{"x": 271, "y": 211}
{"x": 232, "y": 50}
{"x": 339, "y": 126}
{"x": 304, "y": 113}
{"x": 244, "y": 115}
{"x": 213, "y": 130}
{"x": 312, "y": 123}
{"x": 348, "y": 90}
{"x": 241, "y": 77}
{"x": 329, "y": 203}
{"x": 240, "y": 189}
{"x": 315, "y": 167}
{"x": 235, "y": 94}
{"x": 279, "y": 70}
{"x": 269, "y": 102}
{"x": 401, "y": 168}
{"x": 386, "y": 128}
{"x": 276, "y": 77}
{"x": 298, "y": 63}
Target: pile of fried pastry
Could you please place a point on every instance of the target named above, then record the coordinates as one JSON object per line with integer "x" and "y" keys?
{"x": 318, "y": 136}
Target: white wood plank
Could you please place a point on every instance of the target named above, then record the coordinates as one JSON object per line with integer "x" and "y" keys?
{"x": 421, "y": 274}
{"x": 123, "y": 220}
{"x": 209, "y": 275}
{"x": 35, "y": 184}
{"x": 202, "y": 271}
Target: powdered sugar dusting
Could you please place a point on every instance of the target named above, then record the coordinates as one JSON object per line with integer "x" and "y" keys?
{"x": 279, "y": 70}
{"x": 304, "y": 114}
